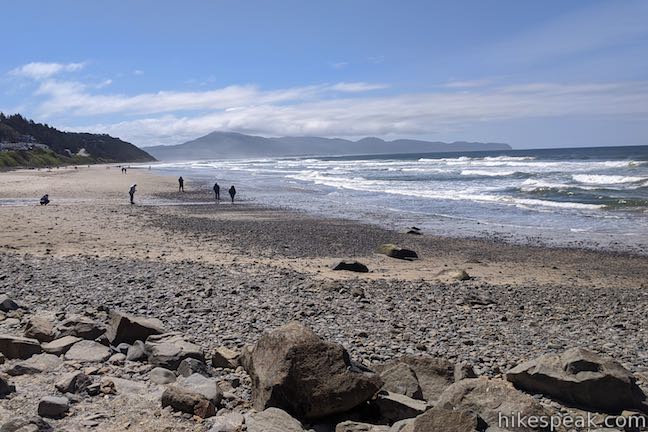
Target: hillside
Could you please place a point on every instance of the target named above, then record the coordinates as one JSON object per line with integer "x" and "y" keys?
{"x": 26, "y": 143}
{"x": 218, "y": 145}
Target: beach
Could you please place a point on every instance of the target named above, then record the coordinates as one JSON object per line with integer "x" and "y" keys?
{"x": 224, "y": 273}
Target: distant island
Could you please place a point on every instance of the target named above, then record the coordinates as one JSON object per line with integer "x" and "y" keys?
{"x": 224, "y": 145}
{"x": 24, "y": 143}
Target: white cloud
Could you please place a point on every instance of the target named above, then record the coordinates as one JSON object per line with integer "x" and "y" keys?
{"x": 339, "y": 65}
{"x": 354, "y": 87}
{"x": 138, "y": 72}
{"x": 39, "y": 71}
{"x": 405, "y": 114}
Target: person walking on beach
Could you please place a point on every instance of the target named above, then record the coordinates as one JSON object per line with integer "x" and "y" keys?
{"x": 216, "y": 192}
{"x": 180, "y": 184}
{"x": 45, "y": 200}
{"x": 131, "y": 192}
{"x": 232, "y": 192}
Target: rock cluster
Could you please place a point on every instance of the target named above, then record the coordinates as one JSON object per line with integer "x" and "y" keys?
{"x": 290, "y": 379}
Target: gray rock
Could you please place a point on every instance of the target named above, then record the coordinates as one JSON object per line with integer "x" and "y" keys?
{"x": 394, "y": 251}
{"x": 26, "y": 424}
{"x": 491, "y": 400}
{"x": 162, "y": 376}
{"x": 73, "y": 382}
{"x": 169, "y": 349}
{"x": 440, "y": 419}
{"x": 293, "y": 369}
{"x": 40, "y": 328}
{"x": 123, "y": 348}
{"x": 351, "y": 426}
{"x": 225, "y": 358}
{"x": 7, "y": 304}
{"x": 208, "y": 387}
{"x": 190, "y": 366}
{"x": 272, "y": 420}
{"x": 117, "y": 359}
{"x": 53, "y": 407}
{"x": 463, "y": 371}
{"x": 81, "y": 327}
{"x": 136, "y": 352}
{"x": 88, "y": 351}
{"x": 583, "y": 378}
{"x": 230, "y": 422}
{"x": 401, "y": 379}
{"x": 36, "y": 364}
{"x": 129, "y": 328}
{"x": 434, "y": 374}
{"x": 394, "y": 407}
{"x": 6, "y": 387}
{"x": 61, "y": 345}
{"x": 188, "y": 402}
{"x": 354, "y": 266}
{"x": 16, "y": 347}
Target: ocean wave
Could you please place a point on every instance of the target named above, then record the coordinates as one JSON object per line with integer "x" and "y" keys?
{"x": 601, "y": 179}
{"x": 469, "y": 172}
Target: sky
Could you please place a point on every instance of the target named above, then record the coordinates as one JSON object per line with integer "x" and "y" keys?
{"x": 533, "y": 74}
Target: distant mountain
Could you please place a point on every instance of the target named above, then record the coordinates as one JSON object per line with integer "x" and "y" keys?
{"x": 222, "y": 145}
{"x": 22, "y": 140}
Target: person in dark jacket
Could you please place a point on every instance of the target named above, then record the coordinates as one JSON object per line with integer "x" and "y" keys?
{"x": 45, "y": 200}
{"x": 180, "y": 184}
{"x": 131, "y": 192}
{"x": 232, "y": 192}
{"x": 216, "y": 192}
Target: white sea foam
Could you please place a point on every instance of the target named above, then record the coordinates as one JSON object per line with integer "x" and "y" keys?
{"x": 471, "y": 172}
{"x": 601, "y": 179}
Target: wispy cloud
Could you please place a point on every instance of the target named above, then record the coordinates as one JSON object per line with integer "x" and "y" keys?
{"x": 405, "y": 114}
{"x": 38, "y": 71}
{"x": 339, "y": 65}
{"x": 466, "y": 84}
{"x": 353, "y": 87}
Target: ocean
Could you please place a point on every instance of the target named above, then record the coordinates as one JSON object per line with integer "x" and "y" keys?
{"x": 585, "y": 197}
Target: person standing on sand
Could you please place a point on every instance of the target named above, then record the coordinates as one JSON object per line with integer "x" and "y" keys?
{"x": 216, "y": 192}
{"x": 232, "y": 192}
{"x": 131, "y": 192}
{"x": 180, "y": 184}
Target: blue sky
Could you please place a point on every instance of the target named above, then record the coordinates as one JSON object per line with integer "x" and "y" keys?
{"x": 532, "y": 74}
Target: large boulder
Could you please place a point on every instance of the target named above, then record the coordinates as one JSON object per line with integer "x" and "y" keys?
{"x": 225, "y": 358}
{"x": 401, "y": 379}
{"x": 128, "y": 328}
{"x": 81, "y": 327}
{"x": 61, "y": 345}
{"x": 583, "y": 378}
{"x": 169, "y": 349}
{"x": 187, "y": 401}
{"x": 440, "y": 419}
{"x": 433, "y": 374}
{"x": 394, "y": 407}
{"x": 53, "y": 406}
{"x": 272, "y": 420}
{"x": 40, "y": 328}
{"x": 293, "y": 369}
{"x": 36, "y": 364}
{"x": 394, "y": 251}
{"x": 495, "y": 401}
{"x": 208, "y": 387}
{"x": 15, "y": 347}
{"x": 88, "y": 351}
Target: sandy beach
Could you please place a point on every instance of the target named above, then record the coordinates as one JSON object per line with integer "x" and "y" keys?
{"x": 224, "y": 273}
